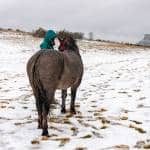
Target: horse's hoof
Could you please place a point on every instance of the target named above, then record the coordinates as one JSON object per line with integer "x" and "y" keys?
{"x": 45, "y": 133}
{"x": 63, "y": 111}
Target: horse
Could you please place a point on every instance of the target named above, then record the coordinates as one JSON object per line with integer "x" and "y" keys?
{"x": 49, "y": 70}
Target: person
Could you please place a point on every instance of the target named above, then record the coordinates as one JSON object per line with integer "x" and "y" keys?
{"x": 50, "y": 41}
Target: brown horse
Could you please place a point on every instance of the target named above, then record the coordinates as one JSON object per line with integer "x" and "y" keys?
{"x": 49, "y": 70}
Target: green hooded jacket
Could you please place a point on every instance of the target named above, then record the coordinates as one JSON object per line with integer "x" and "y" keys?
{"x": 48, "y": 40}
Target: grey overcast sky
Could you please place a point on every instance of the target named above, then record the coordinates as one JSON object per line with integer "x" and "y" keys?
{"x": 120, "y": 20}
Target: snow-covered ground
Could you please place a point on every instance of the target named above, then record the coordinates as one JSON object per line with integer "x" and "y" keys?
{"x": 113, "y": 101}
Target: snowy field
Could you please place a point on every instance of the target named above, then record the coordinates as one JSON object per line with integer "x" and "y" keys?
{"x": 113, "y": 101}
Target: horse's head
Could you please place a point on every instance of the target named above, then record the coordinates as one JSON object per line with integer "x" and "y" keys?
{"x": 68, "y": 43}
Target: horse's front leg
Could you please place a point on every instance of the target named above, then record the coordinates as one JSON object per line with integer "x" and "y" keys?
{"x": 73, "y": 96}
{"x": 63, "y": 96}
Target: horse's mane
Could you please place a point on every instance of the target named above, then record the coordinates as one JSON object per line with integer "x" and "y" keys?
{"x": 69, "y": 43}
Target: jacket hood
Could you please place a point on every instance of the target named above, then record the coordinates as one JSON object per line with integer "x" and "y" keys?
{"x": 50, "y": 35}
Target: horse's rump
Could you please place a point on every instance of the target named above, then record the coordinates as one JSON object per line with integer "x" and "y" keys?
{"x": 44, "y": 70}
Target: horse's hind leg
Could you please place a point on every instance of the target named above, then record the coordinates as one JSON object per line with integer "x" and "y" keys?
{"x": 73, "y": 96}
{"x": 44, "y": 121}
{"x": 39, "y": 109}
{"x": 45, "y": 111}
{"x": 63, "y": 96}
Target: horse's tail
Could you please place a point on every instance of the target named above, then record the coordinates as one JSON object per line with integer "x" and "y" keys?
{"x": 34, "y": 78}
